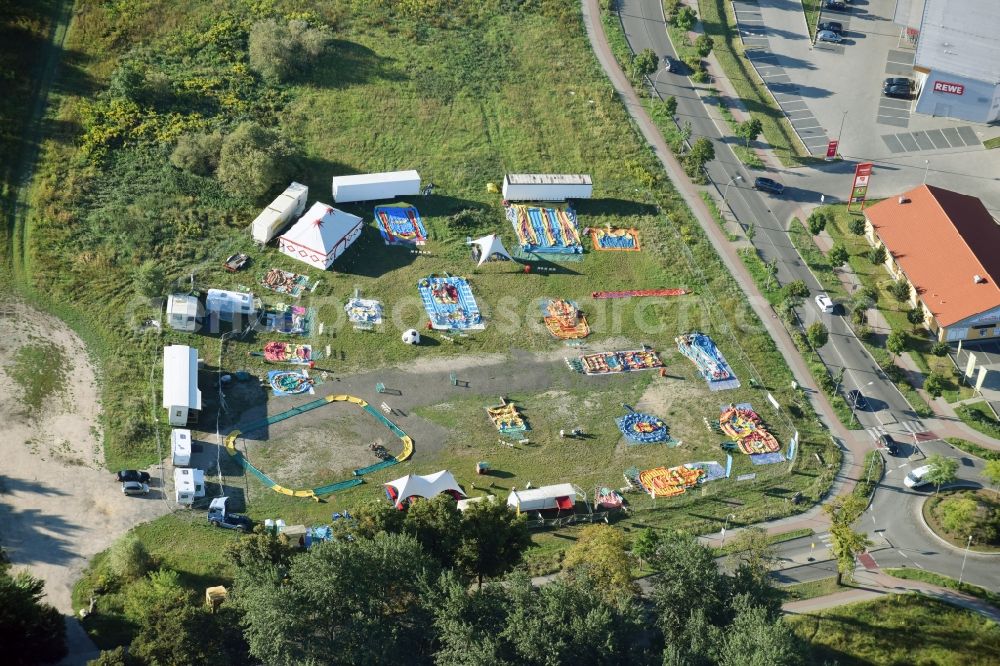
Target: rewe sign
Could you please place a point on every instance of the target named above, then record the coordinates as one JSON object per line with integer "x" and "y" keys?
{"x": 950, "y": 88}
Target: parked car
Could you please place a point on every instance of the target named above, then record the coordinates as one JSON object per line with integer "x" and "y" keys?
{"x": 768, "y": 185}
{"x": 899, "y": 92}
{"x": 232, "y": 521}
{"x": 135, "y": 488}
{"x": 889, "y": 444}
{"x": 899, "y": 81}
{"x": 836, "y": 6}
{"x": 829, "y": 36}
{"x": 832, "y": 26}
{"x": 917, "y": 477}
{"x": 856, "y": 400}
{"x": 132, "y": 475}
{"x": 825, "y": 304}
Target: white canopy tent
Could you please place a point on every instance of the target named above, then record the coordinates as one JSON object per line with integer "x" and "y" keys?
{"x": 561, "y": 496}
{"x": 321, "y": 235}
{"x": 430, "y": 485}
{"x": 491, "y": 247}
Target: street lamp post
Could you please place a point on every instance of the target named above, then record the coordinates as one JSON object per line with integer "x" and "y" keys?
{"x": 927, "y": 164}
{"x": 725, "y": 193}
{"x": 967, "y": 544}
{"x": 725, "y": 525}
{"x": 840, "y": 133}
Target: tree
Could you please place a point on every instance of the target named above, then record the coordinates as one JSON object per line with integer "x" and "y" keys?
{"x": 647, "y": 542}
{"x": 942, "y": 470}
{"x": 680, "y": 560}
{"x": 260, "y": 548}
{"x": 436, "y": 524}
{"x": 375, "y": 517}
{"x": 900, "y": 290}
{"x": 817, "y": 334}
{"x": 992, "y": 471}
{"x": 685, "y": 18}
{"x": 350, "y": 602}
{"x": 280, "y": 51}
{"x": 896, "y": 343}
{"x": 796, "y": 288}
{"x": 816, "y": 223}
{"x": 197, "y": 153}
{"x": 845, "y": 543}
{"x": 755, "y": 638}
{"x": 958, "y": 514}
{"x": 670, "y": 106}
{"x": 752, "y": 559}
{"x": 600, "y": 554}
{"x": 494, "y": 538}
{"x": 916, "y": 318}
{"x": 115, "y": 657}
{"x": 702, "y": 152}
{"x": 128, "y": 559}
{"x": 877, "y": 255}
{"x": 159, "y": 590}
{"x": 150, "y": 279}
{"x": 857, "y": 226}
{"x": 186, "y": 634}
{"x": 128, "y": 80}
{"x": 935, "y": 384}
{"x": 838, "y": 256}
{"x": 645, "y": 62}
{"x": 252, "y": 160}
{"x": 703, "y": 44}
{"x": 31, "y": 631}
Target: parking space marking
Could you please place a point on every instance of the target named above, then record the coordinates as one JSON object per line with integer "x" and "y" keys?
{"x": 902, "y": 114}
{"x": 893, "y": 143}
{"x": 894, "y": 69}
{"x": 969, "y": 135}
{"x": 953, "y": 137}
{"x": 895, "y": 103}
{"x": 922, "y": 141}
{"x": 826, "y": 46}
{"x": 937, "y": 138}
{"x": 908, "y": 142}
{"x": 895, "y": 122}
{"x": 900, "y": 56}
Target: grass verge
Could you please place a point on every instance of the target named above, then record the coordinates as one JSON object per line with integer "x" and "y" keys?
{"x": 973, "y": 448}
{"x": 925, "y": 576}
{"x": 990, "y": 144}
{"x": 979, "y": 416}
{"x": 811, "y": 590}
{"x": 982, "y": 525}
{"x": 772, "y": 539}
{"x": 811, "y": 10}
{"x": 898, "y": 629}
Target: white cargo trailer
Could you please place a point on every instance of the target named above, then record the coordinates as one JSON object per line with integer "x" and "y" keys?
{"x": 374, "y": 186}
{"x": 273, "y": 219}
{"x": 180, "y": 447}
{"x": 181, "y": 397}
{"x": 546, "y": 186}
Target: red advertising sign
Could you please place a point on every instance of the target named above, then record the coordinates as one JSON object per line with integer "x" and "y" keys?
{"x": 950, "y": 88}
{"x": 831, "y": 149}
{"x": 859, "y": 189}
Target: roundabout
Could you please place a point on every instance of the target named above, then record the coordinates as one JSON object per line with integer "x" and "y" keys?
{"x": 317, "y": 492}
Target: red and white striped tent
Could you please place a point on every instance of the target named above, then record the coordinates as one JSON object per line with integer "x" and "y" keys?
{"x": 321, "y": 235}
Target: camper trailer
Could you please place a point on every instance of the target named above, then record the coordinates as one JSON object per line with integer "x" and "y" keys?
{"x": 189, "y": 485}
{"x": 276, "y": 216}
{"x": 546, "y": 186}
{"x": 374, "y": 186}
{"x": 231, "y": 306}
{"x": 182, "y": 312}
{"x": 181, "y": 397}
{"x": 180, "y": 447}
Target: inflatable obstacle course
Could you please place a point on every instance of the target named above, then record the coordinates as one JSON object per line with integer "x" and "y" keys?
{"x": 545, "y": 230}
{"x": 400, "y": 225}
{"x": 564, "y": 320}
{"x": 615, "y": 240}
{"x": 709, "y": 360}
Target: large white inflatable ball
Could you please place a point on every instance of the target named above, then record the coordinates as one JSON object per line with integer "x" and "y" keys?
{"x": 411, "y": 337}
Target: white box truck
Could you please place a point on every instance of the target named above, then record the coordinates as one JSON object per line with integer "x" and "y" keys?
{"x": 279, "y": 213}
{"x": 375, "y": 186}
{"x": 546, "y": 186}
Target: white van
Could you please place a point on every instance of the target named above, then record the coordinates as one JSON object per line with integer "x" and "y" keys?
{"x": 825, "y": 304}
{"x": 916, "y": 477}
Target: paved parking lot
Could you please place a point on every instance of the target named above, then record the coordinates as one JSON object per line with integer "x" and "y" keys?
{"x": 987, "y": 355}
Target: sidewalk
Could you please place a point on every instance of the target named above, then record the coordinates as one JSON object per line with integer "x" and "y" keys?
{"x": 852, "y": 448}
{"x": 875, "y": 584}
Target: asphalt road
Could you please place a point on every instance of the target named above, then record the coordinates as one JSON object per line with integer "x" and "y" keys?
{"x": 895, "y": 506}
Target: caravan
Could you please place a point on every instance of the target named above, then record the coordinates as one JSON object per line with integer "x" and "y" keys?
{"x": 275, "y": 217}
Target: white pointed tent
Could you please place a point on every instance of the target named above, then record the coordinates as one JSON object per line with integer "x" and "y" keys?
{"x": 430, "y": 485}
{"x": 321, "y": 235}
{"x": 491, "y": 247}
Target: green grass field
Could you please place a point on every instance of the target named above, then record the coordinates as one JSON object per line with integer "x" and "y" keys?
{"x": 945, "y": 581}
{"x": 487, "y": 89}
{"x": 899, "y": 629}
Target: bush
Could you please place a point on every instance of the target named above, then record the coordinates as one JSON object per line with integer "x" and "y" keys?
{"x": 838, "y": 256}
{"x": 896, "y": 342}
{"x": 704, "y": 45}
{"x": 866, "y": 334}
{"x": 685, "y": 19}
{"x": 128, "y": 559}
{"x": 279, "y": 52}
{"x": 197, "y": 153}
{"x": 877, "y": 255}
{"x": 867, "y": 296}
{"x": 935, "y": 384}
{"x": 900, "y": 290}
{"x": 817, "y": 334}
{"x": 252, "y": 160}
{"x": 859, "y": 318}
{"x": 857, "y": 226}
{"x": 797, "y": 288}
{"x": 893, "y": 372}
{"x": 958, "y": 514}
{"x": 816, "y": 223}
{"x": 645, "y": 62}
{"x": 670, "y": 106}
{"x": 940, "y": 349}
{"x": 150, "y": 279}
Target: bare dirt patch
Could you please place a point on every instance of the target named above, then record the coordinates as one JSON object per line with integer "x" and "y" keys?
{"x": 58, "y": 506}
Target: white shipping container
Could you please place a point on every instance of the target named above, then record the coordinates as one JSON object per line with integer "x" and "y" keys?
{"x": 287, "y": 205}
{"x": 546, "y": 186}
{"x": 375, "y": 186}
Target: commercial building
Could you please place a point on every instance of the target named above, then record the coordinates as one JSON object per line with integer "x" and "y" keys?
{"x": 945, "y": 245}
{"x": 957, "y": 63}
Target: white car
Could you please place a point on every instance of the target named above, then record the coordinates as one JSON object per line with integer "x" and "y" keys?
{"x": 916, "y": 477}
{"x": 824, "y": 303}
{"x": 828, "y": 36}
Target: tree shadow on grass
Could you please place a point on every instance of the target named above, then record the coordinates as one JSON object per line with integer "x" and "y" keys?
{"x": 613, "y": 206}
{"x": 348, "y": 63}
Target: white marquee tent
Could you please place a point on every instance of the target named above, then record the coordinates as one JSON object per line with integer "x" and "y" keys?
{"x": 491, "y": 247}
{"x": 321, "y": 235}
{"x": 430, "y": 485}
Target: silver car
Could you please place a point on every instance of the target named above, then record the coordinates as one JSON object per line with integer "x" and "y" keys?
{"x": 135, "y": 488}
{"x": 828, "y": 36}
